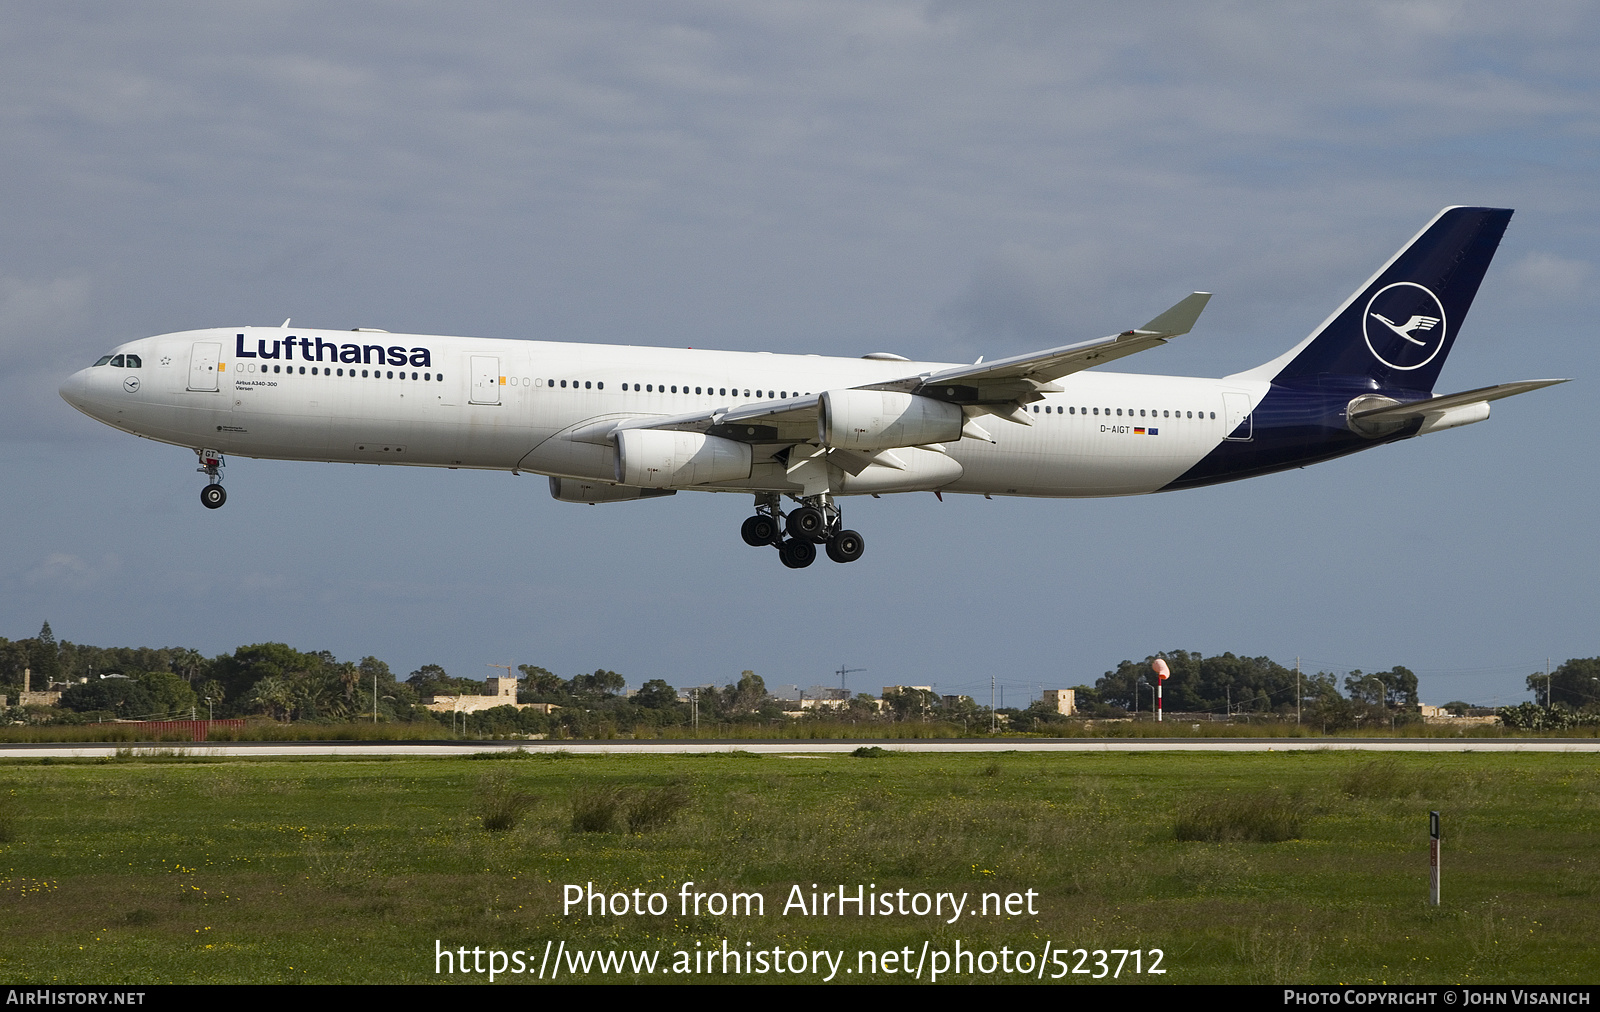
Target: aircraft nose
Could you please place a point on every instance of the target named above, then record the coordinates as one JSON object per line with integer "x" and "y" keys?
{"x": 75, "y": 391}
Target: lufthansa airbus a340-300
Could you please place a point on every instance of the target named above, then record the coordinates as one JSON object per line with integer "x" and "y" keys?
{"x": 609, "y": 423}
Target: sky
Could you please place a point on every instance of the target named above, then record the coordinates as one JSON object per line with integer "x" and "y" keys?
{"x": 938, "y": 180}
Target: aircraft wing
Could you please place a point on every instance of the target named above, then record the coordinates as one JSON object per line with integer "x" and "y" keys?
{"x": 1023, "y": 378}
{"x": 1417, "y": 409}
{"x": 1000, "y": 387}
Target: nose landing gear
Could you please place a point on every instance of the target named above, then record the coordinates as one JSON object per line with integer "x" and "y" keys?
{"x": 816, "y": 521}
{"x": 211, "y": 464}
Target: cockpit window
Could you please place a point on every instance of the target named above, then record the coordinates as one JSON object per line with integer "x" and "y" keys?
{"x": 117, "y": 360}
{"x": 103, "y": 360}
{"x": 133, "y": 362}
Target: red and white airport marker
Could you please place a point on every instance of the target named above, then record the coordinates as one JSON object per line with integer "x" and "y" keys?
{"x": 1159, "y": 666}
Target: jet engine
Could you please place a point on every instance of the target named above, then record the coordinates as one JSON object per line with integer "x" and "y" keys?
{"x": 885, "y": 419}
{"x": 659, "y": 458}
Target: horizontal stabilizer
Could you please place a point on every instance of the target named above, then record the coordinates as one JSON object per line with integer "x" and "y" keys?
{"x": 1417, "y": 409}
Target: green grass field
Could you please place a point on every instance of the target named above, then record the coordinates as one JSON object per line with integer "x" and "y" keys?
{"x": 1294, "y": 867}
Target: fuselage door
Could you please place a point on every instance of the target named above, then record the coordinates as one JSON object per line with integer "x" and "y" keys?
{"x": 485, "y": 379}
{"x": 203, "y": 359}
{"x": 1236, "y": 409}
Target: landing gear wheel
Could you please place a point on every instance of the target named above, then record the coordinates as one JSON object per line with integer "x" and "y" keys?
{"x": 797, "y": 553}
{"x": 759, "y": 531}
{"x": 213, "y": 496}
{"x": 808, "y": 524}
{"x": 846, "y": 546}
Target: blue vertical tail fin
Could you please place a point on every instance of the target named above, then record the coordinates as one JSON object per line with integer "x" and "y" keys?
{"x": 1396, "y": 330}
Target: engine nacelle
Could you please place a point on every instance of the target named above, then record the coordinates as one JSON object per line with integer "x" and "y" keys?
{"x": 885, "y": 419}
{"x": 658, "y": 458}
{"x": 579, "y": 490}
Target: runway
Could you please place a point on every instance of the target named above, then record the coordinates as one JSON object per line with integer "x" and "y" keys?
{"x": 792, "y": 748}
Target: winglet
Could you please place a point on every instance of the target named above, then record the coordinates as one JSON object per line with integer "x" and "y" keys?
{"x": 1179, "y": 319}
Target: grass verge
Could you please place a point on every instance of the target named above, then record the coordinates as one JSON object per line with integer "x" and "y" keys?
{"x": 261, "y": 870}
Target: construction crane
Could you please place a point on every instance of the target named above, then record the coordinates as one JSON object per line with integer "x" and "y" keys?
{"x": 843, "y": 692}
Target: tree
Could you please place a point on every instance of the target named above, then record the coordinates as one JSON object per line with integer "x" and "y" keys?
{"x": 745, "y": 697}
{"x": 45, "y": 658}
{"x": 432, "y": 680}
{"x": 169, "y": 693}
{"x": 1402, "y": 685}
{"x": 656, "y": 694}
{"x": 370, "y": 668}
{"x": 122, "y": 696}
{"x": 188, "y": 663}
{"x": 1039, "y": 717}
{"x": 908, "y": 703}
{"x": 601, "y": 683}
{"x": 541, "y": 684}
{"x": 1363, "y": 687}
{"x": 1392, "y": 688}
{"x": 211, "y": 693}
{"x": 13, "y": 658}
{"x": 272, "y": 696}
{"x": 1575, "y": 683}
{"x": 862, "y": 705}
{"x": 247, "y": 665}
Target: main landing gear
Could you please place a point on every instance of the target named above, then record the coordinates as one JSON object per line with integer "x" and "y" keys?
{"x": 816, "y": 521}
{"x": 211, "y": 464}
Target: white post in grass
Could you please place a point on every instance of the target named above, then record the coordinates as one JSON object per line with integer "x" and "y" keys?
{"x": 1433, "y": 859}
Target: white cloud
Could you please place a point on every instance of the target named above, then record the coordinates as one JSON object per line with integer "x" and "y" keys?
{"x": 1551, "y": 274}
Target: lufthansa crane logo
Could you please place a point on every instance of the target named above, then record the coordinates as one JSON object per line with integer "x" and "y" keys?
{"x": 1404, "y": 325}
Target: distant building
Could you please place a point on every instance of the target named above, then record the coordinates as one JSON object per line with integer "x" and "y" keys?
{"x": 1439, "y": 715}
{"x": 1061, "y": 700}
{"x": 502, "y": 692}
{"x": 28, "y": 697}
{"x": 799, "y": 706}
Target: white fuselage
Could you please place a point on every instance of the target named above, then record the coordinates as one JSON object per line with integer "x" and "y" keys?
{"x": 516, "y": 406}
